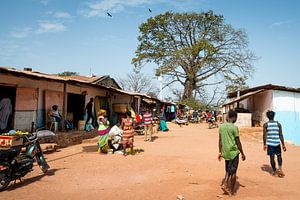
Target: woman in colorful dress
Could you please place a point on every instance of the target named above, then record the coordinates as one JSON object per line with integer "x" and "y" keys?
{"x": 163, "y": 124}
{"x": 127, "y": 125}
{"x": 103, "y": 131}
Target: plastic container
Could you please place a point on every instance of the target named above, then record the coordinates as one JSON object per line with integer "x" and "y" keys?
{"x": 81, "y": 125}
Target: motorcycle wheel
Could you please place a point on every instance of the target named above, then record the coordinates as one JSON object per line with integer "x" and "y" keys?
{"x": 42, "y": 163}
{"x": 3, "y": 181}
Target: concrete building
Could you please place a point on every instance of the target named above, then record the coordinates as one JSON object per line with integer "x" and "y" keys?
{"x": 33, "y": 94}
{"x": 285, "y": 101}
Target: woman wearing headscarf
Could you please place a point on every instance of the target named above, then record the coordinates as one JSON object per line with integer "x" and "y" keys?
{"x": 103, "y": 131}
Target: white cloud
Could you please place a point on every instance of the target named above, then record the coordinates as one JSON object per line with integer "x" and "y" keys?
{"x": 21, "y": 33}
{"x": 50, "y": 27}
{"x": 62, "y": 15}
{"x": 280, "y": 23}
{"x": 99, "y": 8}
{"x": 45, "y": 2}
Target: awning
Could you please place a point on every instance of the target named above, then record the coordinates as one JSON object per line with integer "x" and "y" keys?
{"x": 245, "y": 96}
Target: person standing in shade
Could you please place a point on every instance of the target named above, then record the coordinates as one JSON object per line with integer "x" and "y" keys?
{"x": 89, "y": 111}
{"x": 5, "y": 112}
{"x": 272, "y": 136}
{"x": 229, "y": 148}
{"x": 147, "y": 117}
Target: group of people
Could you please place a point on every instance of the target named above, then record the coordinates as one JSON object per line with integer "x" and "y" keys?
{"x": 230, "y": 148}
{"x": 121, "y": 136}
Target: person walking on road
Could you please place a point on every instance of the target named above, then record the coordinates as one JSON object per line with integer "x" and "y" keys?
{"x": 229, "y": 148}
{"x": 272, "y": 136}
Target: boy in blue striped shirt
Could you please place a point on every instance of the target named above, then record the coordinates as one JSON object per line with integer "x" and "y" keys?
{"x": 272, "y": 136}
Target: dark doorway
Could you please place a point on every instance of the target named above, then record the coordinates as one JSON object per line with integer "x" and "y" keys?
{"x": 9, "y": 92}
{"x": 75, "y": 108}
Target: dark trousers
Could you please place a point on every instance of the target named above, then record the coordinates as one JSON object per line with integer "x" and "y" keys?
{"x": 272, "y": 151}
{"x": 89, "y": 116}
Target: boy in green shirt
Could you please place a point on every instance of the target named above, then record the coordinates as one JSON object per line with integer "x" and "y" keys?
{"x": 229, "y": 148}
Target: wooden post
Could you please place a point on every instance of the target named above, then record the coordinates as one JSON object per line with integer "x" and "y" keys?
{"x": 64, "y": 107}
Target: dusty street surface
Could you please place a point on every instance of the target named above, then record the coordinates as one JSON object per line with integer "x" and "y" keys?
{"x": 180, "y": 162}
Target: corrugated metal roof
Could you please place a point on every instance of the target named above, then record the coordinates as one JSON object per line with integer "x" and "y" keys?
{"x": 36, "y": 74}
{"x": 86, "y": 79}
{"x": 73, "y": 79}
{"x": 245, "y": 96}
{"x": 265, "y": 87}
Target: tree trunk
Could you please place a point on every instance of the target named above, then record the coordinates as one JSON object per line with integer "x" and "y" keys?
{"x": 189, "y": 87}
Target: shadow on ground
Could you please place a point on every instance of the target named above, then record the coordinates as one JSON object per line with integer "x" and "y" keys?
{"x": 90, "y": 149}
{"x": 94, "y": 149}
{"x": 28, "y": 181}
{"x": 267, "y": 168}
{"x": 154, "y": 138}
{"x": 237, "y": 186}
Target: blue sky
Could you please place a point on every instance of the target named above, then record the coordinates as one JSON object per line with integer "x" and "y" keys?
{"x": 57, "y": 35}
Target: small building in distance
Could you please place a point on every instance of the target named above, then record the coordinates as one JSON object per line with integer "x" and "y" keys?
{"x": 253, "y": 103}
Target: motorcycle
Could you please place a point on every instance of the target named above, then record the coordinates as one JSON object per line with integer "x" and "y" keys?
{"x": 14, "y": 164}
{"x": 212, "y": 123}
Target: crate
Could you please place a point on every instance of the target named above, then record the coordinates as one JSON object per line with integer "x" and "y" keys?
{"x": 7, "y": 141}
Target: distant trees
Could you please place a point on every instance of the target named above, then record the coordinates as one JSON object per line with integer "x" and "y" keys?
{"x": 194, "y": 50}
{"x": 68, "y": 73}
{"x": 138, "y": 82}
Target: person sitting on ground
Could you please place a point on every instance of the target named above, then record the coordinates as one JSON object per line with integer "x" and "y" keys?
{"x": 127, "y": 126}
{"x": 182, "y": 120}
{"x": 115, "y": 135}
{"x": 229, "y": 148}
{"x": 272, "y": 136}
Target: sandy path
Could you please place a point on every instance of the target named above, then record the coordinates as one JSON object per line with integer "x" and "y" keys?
{"x": 182, "y": 161}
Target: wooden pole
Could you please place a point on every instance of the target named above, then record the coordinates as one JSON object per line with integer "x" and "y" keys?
{"x": 64, "y": 108}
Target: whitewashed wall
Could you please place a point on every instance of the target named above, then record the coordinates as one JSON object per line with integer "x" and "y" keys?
{"x": 42, "y": 86}
{"x": 287, "y": 108}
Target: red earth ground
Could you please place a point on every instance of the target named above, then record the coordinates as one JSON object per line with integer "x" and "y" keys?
{"x": 182, "y": 162}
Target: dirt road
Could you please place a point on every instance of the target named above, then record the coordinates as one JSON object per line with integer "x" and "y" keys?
{"x": 180, "y": 162}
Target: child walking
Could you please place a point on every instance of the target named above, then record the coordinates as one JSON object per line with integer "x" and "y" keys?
{"x": 229, "y": 148}
{"x": 272, "y": 136}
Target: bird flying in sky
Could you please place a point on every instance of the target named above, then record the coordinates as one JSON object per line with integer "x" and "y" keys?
{"x": 150, "y": 10}
{"x": 109, "y": 14}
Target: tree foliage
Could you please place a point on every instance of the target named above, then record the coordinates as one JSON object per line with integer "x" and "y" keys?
{"x": 237, "y": 84}
{"x": 191, "y": 48}
{"x": 68, "y": 73}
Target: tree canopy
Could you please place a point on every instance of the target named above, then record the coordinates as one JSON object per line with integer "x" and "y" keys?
{"x": 191, "y": 48}
{"x": 68, "y": 73}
